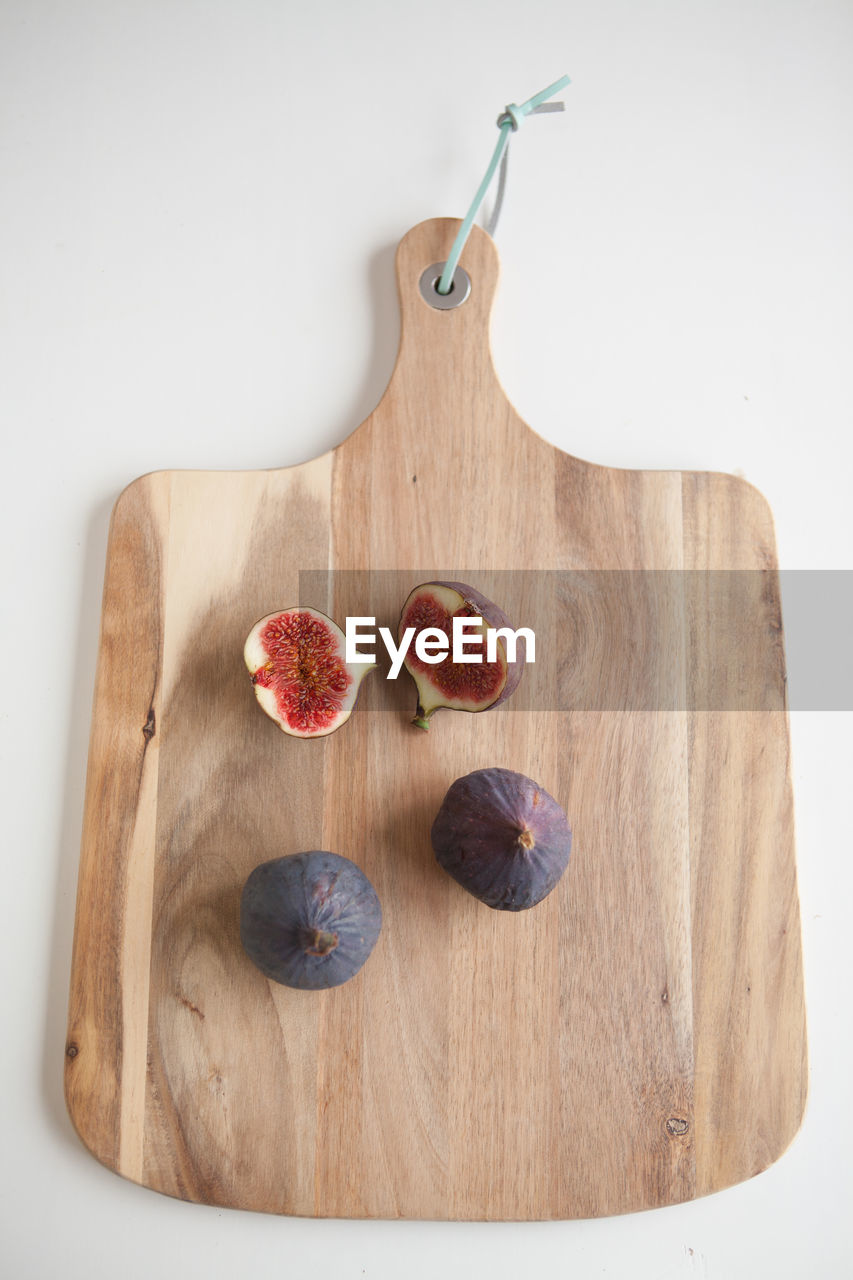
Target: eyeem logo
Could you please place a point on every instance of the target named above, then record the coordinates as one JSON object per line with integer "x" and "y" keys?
{"x": 432, "y": 645}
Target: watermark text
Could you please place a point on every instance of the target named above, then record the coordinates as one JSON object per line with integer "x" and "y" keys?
{"x": 432, "y": 645}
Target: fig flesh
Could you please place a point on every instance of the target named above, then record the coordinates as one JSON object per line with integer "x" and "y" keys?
{"x": 462, "y": 686}
{"x": 309, "y": 920}
{"x": 297, "y": 662}
{"x": 503, "y": 838}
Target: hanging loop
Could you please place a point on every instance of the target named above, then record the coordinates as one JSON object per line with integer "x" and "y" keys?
{"x": 508, "y": 122}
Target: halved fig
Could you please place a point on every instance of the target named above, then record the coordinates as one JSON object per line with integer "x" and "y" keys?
{"x": 461, "y": 686}
{"x": 297, "y": 661}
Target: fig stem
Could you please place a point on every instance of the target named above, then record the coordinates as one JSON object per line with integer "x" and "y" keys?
{"x": 422, "y": 717}
{"x": 319, "y": 942}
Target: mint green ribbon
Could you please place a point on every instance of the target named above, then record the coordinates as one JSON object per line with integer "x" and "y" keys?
{"x": 508, "y": 123}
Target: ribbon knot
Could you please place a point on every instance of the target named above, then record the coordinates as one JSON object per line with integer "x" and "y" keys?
{"x": 511, "y": 114}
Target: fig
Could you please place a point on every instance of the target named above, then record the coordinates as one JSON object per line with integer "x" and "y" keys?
{"x": 473, "y": 685}
{"x": 503, "y": 838}
{"x": 297, "y": 662}
{"x": 309, "y": 920}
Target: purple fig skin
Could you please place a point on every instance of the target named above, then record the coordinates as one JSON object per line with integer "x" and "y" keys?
{"x": 495, "y": 617}
{"x": 309, "y": 920}
{"x": 503, "y": 838}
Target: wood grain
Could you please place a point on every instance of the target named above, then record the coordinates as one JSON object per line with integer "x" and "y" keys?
{"x": 635, "y": 1040}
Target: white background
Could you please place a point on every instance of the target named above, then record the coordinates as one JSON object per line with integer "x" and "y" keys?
{"x": 200, "y": 206}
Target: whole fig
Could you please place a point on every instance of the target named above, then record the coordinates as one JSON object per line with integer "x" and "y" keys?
{"x": 502, "y": 837}
{"x": 309, "y": 920}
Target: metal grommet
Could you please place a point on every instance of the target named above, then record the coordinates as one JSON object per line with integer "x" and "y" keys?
{"x": 460, "y": 287}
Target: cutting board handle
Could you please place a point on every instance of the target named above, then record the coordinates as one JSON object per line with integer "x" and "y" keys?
{"x": 445, "y": 353}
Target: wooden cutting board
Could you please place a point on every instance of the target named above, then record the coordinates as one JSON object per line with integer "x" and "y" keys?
{"x": 635, "y": 1040}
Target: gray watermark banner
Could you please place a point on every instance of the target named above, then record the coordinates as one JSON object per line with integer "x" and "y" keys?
{"x": 644, "y": 639}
